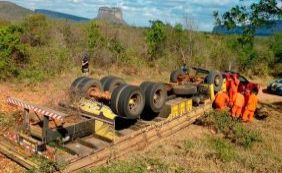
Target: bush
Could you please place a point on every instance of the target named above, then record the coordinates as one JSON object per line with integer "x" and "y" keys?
{"x": 12, "y": 51}
{"x": 36, "y": 30}
{"x": 155, "y": 39}
{"x": 232, "y": 129}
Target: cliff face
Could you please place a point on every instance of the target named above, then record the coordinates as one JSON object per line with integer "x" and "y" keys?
{"x": 113, "y": 15}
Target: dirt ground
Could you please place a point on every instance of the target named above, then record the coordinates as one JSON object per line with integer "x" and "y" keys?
{"x": 48, "y": 93}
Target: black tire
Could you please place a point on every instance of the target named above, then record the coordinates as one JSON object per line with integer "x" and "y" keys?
{"x": 174, "y": 75}
{"x": 215, "y": 78}
{"x": 86, "y": 85}
{"x": 185, "y": 90}
{"x": 124, "y": 107}
{"x": 155, "y": 96}
{"x": 76, "y": 82}
{"x": 196, "y": 100}
{"x": 115, "y": 98}
{"x": 145, "y": 85}
{"x": 112, "y": 83}
{"x": 104, "y": 80}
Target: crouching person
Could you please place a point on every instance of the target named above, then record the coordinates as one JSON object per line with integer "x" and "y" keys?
{"x": 238, "y": 104}
{"x": 251, "y": 105}
{"x": 221, "y": 101}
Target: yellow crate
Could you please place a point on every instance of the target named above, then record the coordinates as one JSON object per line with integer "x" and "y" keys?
{"x": 180, "y": 107}
{"x": 189, "y": 105}
{"x": 174, "y": 110}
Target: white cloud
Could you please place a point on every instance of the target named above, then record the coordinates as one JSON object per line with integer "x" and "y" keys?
{"x": 139, "y": 12}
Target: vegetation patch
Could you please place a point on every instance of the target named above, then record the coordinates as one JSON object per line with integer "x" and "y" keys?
{"x": 232, "y": 129}
{"x": 140, "y": 165}
{"x": 7, "y": 121}
{"x": 223, "y": 149}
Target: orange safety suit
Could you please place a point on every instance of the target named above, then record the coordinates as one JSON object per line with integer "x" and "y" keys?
{"x": 239, "y": 102}
{"x": 250, "y": 108}
{"x": 221, "y": 100}
{"x": 234, "y": 83}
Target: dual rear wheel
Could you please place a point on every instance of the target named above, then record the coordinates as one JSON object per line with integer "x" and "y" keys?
{"x": 126, "y": 100}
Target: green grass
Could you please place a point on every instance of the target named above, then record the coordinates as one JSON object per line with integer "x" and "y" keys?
{"x": 140, "y": 164}
{"x": 223, "y": 149}
{"x": 232, "y": 129}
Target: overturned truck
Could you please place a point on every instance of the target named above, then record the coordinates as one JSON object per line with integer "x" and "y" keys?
{"x": 105, "y": 119}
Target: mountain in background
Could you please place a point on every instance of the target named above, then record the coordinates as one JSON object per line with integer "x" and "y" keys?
{"x": 11, "y": 11}
{"x": 112, "y": 15}
{"x": 58, "y": 15}
{"x": 262, "y": 31}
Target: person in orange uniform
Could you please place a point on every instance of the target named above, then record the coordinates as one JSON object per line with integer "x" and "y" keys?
{"x": 239, "y": 102}
{"x": 234, "y": 83}
{"x": 221, "y": 100}
{"x": 250, "y": 108}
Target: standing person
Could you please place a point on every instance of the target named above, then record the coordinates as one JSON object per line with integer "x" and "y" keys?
{"x": 239, "y": 102}
{"x": 233, "y": 90}
{"x": 221, "y": 101}
{"x": 85, "y": 64}
{"x": 184, "y": 68}
{"x": 251, "y": 106}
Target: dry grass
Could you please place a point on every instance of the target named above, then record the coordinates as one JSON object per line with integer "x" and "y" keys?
{"x": 198, "y": 149}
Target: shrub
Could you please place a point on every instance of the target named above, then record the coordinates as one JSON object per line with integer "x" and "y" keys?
{"x": 36, "y": 30}
{"x": 232, "y": 129}
{"x": 155, "y": 39}
{"x": 12, "y": 51}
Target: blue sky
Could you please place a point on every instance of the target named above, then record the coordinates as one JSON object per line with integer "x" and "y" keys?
{"x": 198, "y": 13}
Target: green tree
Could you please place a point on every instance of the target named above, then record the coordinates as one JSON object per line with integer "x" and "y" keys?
{"x": 156, "y": 38}
{"x": 12, "y": 51}
{"x": 276, "y": 47}
{"x": 250, "y": 17}
{"x": 36, "y": 30}
{"x": 94, "y": 36}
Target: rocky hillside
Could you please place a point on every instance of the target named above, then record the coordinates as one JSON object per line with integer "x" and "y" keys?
{"x": 11, "y": 11}
{"x": 113, "y": 15}
{"x": 58, "y": 15}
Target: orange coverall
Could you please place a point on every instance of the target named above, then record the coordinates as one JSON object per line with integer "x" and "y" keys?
{"x": 234, "y": 83}
{"x": 250, "y": 108}
{"x": 221, "y": 101}
{"x": 239, "y": 102}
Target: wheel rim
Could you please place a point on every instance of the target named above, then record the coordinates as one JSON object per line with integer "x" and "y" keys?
{"x": 134, "y": 102}
{"x": 216, "y": 81}
{"x": 94, "y": 90}
{"x": 157, "y": 98}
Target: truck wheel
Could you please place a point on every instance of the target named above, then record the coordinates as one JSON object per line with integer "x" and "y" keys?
{"x": 215, "y": 78}
{"x": 76, "y": 82}
{"x": 88, "y": 86}
{"x": 155, "y": 96}
{"x": 104, "y": 79}
{"x": 174, "y": 75}
{"x": 131, "y": 102}
{"x": 115, "y": 98}
{"x": 185, "y": 90}
{"x": 145, "y": 85}
{"x": 112, "y": 83}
